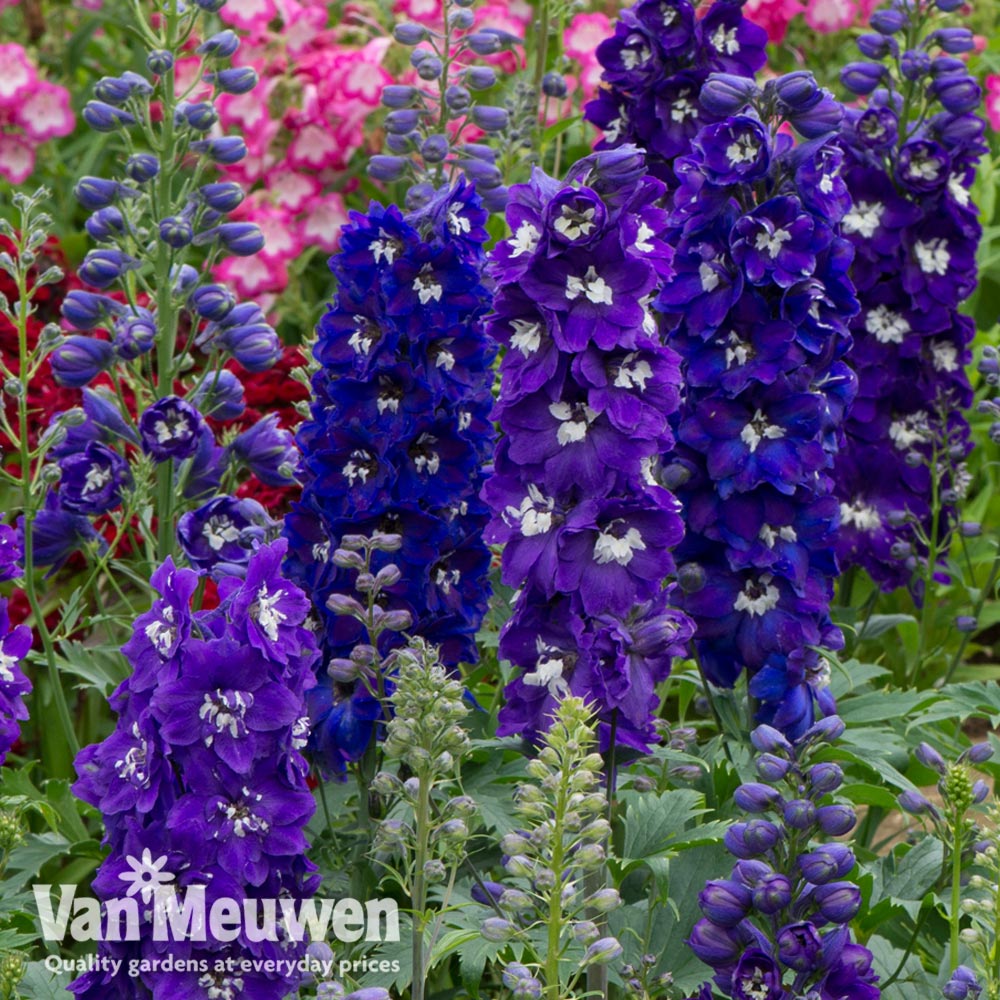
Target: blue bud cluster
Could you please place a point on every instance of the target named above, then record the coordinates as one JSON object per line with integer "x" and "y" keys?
{"x": 426, "y": 121}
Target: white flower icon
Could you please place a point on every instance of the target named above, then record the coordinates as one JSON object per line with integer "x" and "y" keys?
{"x": 147, "y": 876}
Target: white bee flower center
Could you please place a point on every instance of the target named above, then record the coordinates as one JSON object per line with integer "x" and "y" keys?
{"x": 633, "y": 374}
{"x": 219, "y": 530}
{"x": 909, "y": 431}
{"x": 772, "y": 242}
{"x": 525, "y": 240}
{"x": 527, "y": 336}
{"x": 864, "y": 218}
{"x": 97, "y": 478}
{"x": 758, "y": 430}
{"x": 757, "y": 596}
{"x": 573, "y": 224}
{"x": 860, "y": 515}
{"x": 591, "y": 285}
{"x": 534, "y": 516}
{"x": 933, "y": 255}
{"x": 265, "y": 612}
{"x": 887, "y": 326}
{"x": 609, "y": 547}
{"x": 573, "y": 422}
{"x": 724, "y": 40}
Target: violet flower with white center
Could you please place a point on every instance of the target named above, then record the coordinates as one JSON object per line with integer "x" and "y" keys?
{"x": 655, "y": 66}
{"x": 204, "y": 774}
{"x": 396, "y": 444}
{"x": 915, "y": 232}
{"x": 587, "y": 393}
{"x": 759, "y": 314}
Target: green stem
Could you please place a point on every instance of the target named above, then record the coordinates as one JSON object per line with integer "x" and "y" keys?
{"x": 28, "y": 508}
{"x": 553, "y": 989}
{"x": 956, "y": 895}
{"x": 980, "y": 604}
{"x": 166, "y": 316}
{"x": 932, "y": 557}
{"x": 541, "y": 61}
{"x": 423, "y": 831}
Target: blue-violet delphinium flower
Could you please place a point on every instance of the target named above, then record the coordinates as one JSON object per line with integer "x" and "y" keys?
{"x": 586, "y": 396}
{"x": 915, "y": 232}
{"x": 779, "y": 927}
{"x": 14, "y": 646}
{"x": 655, "y": 65}
{"x": 759, "y": 309}
{"x": 204, "y": 774}
{"x": 397, "y": 441}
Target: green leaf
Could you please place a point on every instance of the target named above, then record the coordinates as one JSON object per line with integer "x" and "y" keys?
{"x": 27, "y": 860}
{"x": 881, "y": 705}
{"x": 869, "y": 795}
{"x": 657, "y": 824}
{"x": 40, "y": 984}
{"x": 917, "y": 871}
{"x": 880, "y": 624}
{"x": 100, "y": 667}
{"x": 561, "y": 126}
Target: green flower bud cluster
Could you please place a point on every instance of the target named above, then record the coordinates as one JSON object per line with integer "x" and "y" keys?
{"x": 13, "y": 965}
{"x": 563, "y": 837}
{"x": 429, "y": 819}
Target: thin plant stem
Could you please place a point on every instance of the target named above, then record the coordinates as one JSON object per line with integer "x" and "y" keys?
{"x": 28, "y": 507}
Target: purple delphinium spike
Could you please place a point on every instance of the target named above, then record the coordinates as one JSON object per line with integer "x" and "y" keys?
{"x": 655, "y": 65}
{"x": 203, "y": 779}
{"x": 759, "y": 310}
{"x": 779, "y": 924}
{"x": 586, "y": 396}
{"x": 915, "y": 233}
{"x": 397, "y": 441}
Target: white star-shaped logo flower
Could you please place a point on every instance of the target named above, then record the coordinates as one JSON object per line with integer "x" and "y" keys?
{"x": 147, "y": 876}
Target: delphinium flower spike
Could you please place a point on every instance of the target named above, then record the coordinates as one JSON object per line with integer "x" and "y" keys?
{"x": 398, "y": 439}
{"x": 155, "y": 330}
{"x": 587, "y": 393}
{"x": 759, "y": 309}
{"x": 655, "y": 67}
{"x": 203, "y": 778}
{"x": 778, "y": 927}
{"x": 910, "y": 159}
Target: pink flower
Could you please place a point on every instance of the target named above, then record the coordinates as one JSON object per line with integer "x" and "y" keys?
{"x": 321, "y": 223}
{"x": 831, "y": 15}
{"x": 31, "y": 111}
{"x": 291, "y": 190}
{"x": 773, "y": 16}
{"x": 993, "y": 101}
{"x": 424, "y": 11}
{"x": 584, "y": 34}
{"x": 17, "y": 158}
{"x": 250, "y": 15}
{"x": 45, "y": 112}
{"x": 252, "y": 276}
{"x": 17, "y": 73}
